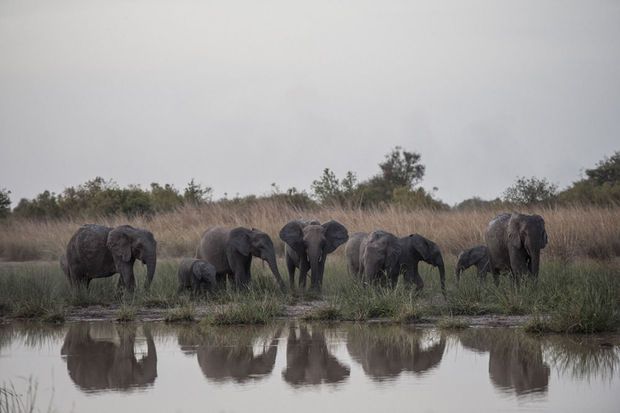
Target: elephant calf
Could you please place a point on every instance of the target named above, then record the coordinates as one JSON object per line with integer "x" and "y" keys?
{"x": 196, "y": 275}
{"x": 478, "y": 256}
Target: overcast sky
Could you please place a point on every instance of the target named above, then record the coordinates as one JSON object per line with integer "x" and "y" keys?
{"x": 240, "y": 94}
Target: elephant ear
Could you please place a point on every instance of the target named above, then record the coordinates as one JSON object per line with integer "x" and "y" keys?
{"x": 422, "y": 246}
{"x": 119, "y": 243}
{"x": 293, "y": 235}
{"x": 240, "y": 241}
{"x": 545, "y": 239}
{"x": 335, "y": 234}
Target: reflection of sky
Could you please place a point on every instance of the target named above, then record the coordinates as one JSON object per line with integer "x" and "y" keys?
{"x": 460, "y": 383}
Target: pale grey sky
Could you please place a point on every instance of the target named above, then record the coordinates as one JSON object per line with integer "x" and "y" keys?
{"x": 240, "y": 94}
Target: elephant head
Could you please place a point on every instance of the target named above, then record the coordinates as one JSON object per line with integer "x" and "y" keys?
{"x": 416, "y": 248}
{"x": 128, "y": 244}
{"x": 255, "y": 243}
{"x": 204, "y": 273}
{"x": 526, "y": 233}
{"x": 478, "y": 256}
{"x": 312, "y": 242}
{"x": 380, "y": 252}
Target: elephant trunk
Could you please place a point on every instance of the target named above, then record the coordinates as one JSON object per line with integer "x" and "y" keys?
{"x": 442, "y": 276}
{"x": 535, "y": 263}
{"x": 151, "y": 262}
{"x": 273, "y": 266}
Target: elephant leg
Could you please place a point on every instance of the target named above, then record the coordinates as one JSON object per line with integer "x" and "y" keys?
{"x": 393, "y": 275}
{"x": 290, "y": 266}
{"x": 303, "y": 275}
{"x": 482, "y": 274}
{"x": 220, "y": 281}
{"x": 419, "y": 283}
{"x": 496, "y": 277}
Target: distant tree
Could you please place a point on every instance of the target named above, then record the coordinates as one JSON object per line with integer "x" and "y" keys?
{"x": 196, "y": 194}
{"x": 165, "y": 198}
{"x": 529, "y": 191}
{"x": 607, "y": 171}
{"x": 477, "y": 203}
{"x": 402, "y": 168}
{"x": 5, "y": 203}
{"x": 329, "y": 190}
{"x": 417, "y": 198}
{"x": 45, "y": 205}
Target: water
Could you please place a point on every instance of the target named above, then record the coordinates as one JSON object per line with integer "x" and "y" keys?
{"x": 103, "y": 367}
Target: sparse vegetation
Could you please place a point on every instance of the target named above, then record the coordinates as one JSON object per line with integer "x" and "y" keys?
{"x": 184, "y": 313}
{"x": 452, "y": 323}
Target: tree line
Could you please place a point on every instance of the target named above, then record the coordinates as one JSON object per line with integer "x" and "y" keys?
{"x": 398, "y": 182}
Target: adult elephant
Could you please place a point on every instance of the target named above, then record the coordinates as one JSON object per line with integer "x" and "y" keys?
{"x": 415, "y": 248}
{"x": 514, "y": 242}
{"x": 379, "y": 257}
{"x": 231, "y": 252}
{"x": 96, "y": 251}
{"x": 307, "y": 244}
{"x": 108, "y": 362}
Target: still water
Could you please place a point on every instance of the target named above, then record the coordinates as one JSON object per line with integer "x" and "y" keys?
{"x": 103, "y": 367}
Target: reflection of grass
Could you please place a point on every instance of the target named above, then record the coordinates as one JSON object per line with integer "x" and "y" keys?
{"x": 584, "y": 358}
{"x": 11, "y": 401}
{"x": 452, "y": 323}
{"x": 578, "y": 297}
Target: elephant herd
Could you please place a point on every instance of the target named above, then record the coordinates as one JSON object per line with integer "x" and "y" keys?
{"x": 513, "y": 243}
{"x": 103, "y": 357}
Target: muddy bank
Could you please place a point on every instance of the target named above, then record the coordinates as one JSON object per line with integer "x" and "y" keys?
{"x": 291, "y": 312}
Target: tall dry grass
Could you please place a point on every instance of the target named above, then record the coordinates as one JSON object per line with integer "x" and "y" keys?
{"x": 574, "y": 232}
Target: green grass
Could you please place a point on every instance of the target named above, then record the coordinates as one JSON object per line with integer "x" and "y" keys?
{"x": 184, "y": 313}
{"x": 452, "y": 323}
{"x": 580, "y": 297}
{"x": 126, "y": 313}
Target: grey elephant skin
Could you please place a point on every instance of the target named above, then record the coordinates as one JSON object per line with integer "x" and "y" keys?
{"x": 108, "y": 364}
{"x": 64, "y": 265}
{"x": 477, "y": 256}
{"x": 196, "y": 275}
{"x": 416, "y": 248}
{"x": 380, "y": 256}
{"x": 96, "y": 251}
{"x": 515, "y": 242}
{"x": 231, "y": 252}
{"x": 307, "y": 244}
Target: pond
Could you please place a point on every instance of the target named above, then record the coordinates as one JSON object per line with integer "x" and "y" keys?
{"x": 155, "y": 367}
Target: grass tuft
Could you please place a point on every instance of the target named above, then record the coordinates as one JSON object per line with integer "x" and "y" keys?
{"x": 185, "y": 313}
{"x": 252, "y": 311}
{"x": 328, "y": 313}
{"x": 452, "y": 323}
{"x": 126, "y": 313}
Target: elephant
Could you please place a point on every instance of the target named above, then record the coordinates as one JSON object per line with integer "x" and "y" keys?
{"x": 384, "y": 352}
{"x": 228, "y": 354}
{"x": 108, "y": 364}
{"x": 231, "y": 252}
{"x": 514, "y": 242}
{"x": 478, "y": 256}
{"x": 96, "y": 251}
{"x": 196, "y": 275}
{"x": 352, "y": 252}
{"x": 515, "y": 360}
{"x": 308, "y": 359}
{"x": 379, "y": 258}
{"x": 307, "y": 244}
{"x": 415, "y": 248}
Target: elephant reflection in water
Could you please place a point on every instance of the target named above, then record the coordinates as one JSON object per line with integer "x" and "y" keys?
{"x": 515, "y": 360}
{"x": 229, "y": 353}
{"x": 108, "y": 363}
{"x": 308, "y": 360}
{"x": 386, "y": 351}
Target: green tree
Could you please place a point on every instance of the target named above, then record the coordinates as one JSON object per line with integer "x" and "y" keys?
{"x": 165, "y": 198}
{"x": 606, "y": 171}
{"x": 45, "y": 205}
{"x": 5, "y": 203}
{"x": 529, "y": 191}
{"x": 402, "y": 168}
{"x": 196, "y": 194}
{"x": 329, "y": 190}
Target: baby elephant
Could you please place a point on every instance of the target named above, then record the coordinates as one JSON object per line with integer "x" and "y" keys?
{"x": 478, "y": 256}
{"x": 196, "y": 275}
